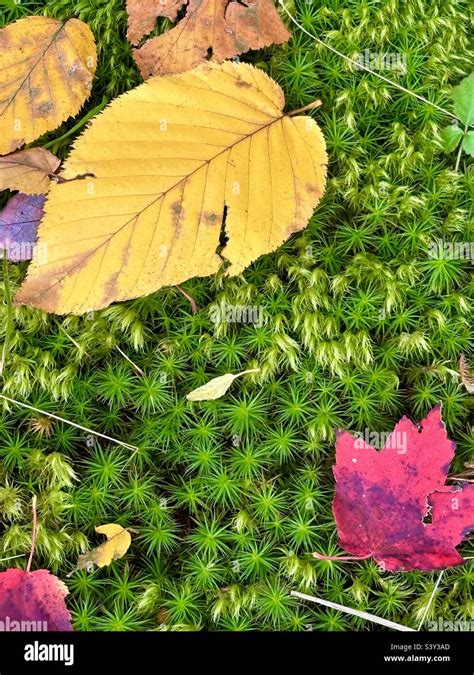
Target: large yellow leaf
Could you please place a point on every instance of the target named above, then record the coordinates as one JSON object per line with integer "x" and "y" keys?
{"x": 46, "y": 72}
{"x": 167, "y": 158}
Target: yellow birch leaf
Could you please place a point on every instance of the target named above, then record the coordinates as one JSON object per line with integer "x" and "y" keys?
{"x": 28, "y": 171}
{"x": 216, "y": 387}
{"x": 176, "y": 163}
{"x": 117, "y": 544}
{"x": 46, "y": 72}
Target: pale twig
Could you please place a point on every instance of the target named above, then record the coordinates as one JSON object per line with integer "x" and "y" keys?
{"x": 362, "y": 67}
{"x": 72, "y": 424}
{"x": 459, "y": 155}
{"x": 33, "y": 535}
{"x": 9, "y": 312}
{"x": 354, "y": 612}
{"x": 139, "y": 370}
{"x": 342, "y": 558}
{"x": 74, "y": 342}
{"x": 430, "y": 601}
{"x": 12, "y": 557}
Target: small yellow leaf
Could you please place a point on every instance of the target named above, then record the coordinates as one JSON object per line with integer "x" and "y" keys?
{"x": 28, "y": 171}
{"x": 117, "y": 544}
{"x": 46, "y": 72}
{"x": 216, "y": 387}
{"x": 175, "y": 162}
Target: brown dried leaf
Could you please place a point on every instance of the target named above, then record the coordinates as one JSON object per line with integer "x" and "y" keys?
{"x": 210, "y": 30}
{"x": 28, "y": 171}
{"x": 466, "y": 377}
{"x": 142, "y": 15}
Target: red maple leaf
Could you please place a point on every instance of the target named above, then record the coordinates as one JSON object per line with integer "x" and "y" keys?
{"x": 33, "y": 601}
{"x": 393, "y": 504}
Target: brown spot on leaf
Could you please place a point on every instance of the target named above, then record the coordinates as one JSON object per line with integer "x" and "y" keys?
{"x": 313, "y": 189}
{"x": 177, "y": 213}
{"x": 242, "y": 84}
{"x": 110, "y": 289}
{"x": 209, "y": 218}
{"x": 44, "y": 108}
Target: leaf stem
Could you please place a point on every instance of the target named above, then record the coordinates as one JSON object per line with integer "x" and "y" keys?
{"x": 192, "y": 301}
{"x": 341, "y": 558}
{"x": 80, "y": 124}
{"x": 458, "y": 158}
{"x": 9, "y": 305}
{"x": 33, "y": 535}
{"x": 310, "y": 106}
{"x": 247, "y": 372}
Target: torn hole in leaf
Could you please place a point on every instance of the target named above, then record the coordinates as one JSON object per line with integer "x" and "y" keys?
{"x": 182, "y": 12}
{"x": 237, "y": 2}
{"x": 428, "y": 517}
{"x": 82, "y": 176}
{"x": 162, "y": 24}
{"x": 209, "y": 54}
{"x": 223, "y": 236}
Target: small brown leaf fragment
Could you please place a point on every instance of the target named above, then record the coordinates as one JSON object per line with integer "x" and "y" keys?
{"x": 215, "y": 29}
{"x": 466, "y": 377}
{"x": 28, "y": 171}
{"x": 161, "y": 616}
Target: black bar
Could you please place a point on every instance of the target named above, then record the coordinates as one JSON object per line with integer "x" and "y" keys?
{"x": 172, "y": 652}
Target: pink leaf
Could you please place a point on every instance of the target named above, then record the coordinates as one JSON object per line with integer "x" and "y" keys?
{"x": 393, "y": 504}
{"x": 33, "y": 597}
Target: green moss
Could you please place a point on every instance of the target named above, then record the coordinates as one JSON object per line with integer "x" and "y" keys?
{"x": 359, "y": 326}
